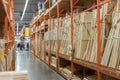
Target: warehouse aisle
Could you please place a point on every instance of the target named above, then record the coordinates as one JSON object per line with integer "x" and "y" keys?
{"x": 37, "y": 70}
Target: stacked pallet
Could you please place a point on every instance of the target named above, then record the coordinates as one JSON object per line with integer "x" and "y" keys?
{"x": 14, "y": 75}
{"x": 111, "y": 56}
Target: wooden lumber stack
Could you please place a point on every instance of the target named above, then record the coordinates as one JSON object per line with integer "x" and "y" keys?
{"x": 66, "y": 72}
{"x": 53, "y": 35}
{"x": 38, "y": 43}
{"x": 65, "y": 36}
{"x": 111, "y": 55}
{"x": 53, "y": 61}
{"x": 32, "y": 44}
{"x": 47, "y": 58}
{"x": 14, "y": 75}
{"x": 92, "y": 77}
{"x": 42, "y": 54}
{"x": 53, "y": 39}
{"x": 85, "y": 32}
{"x": 47, "y": 40}
{"x": 85, "y": 36}
{"x": 76, "y": 78}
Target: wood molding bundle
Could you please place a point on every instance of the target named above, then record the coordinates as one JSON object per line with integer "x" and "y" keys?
{"x": 85, "y": 37}
{"x": 65, "y": 36}
{"x": 85, "y": 33}
{"x": 111, "y": 56}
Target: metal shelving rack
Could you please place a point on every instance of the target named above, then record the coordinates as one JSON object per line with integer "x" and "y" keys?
{"x": 56, "y": 11}
{"x": 7, "y": 19}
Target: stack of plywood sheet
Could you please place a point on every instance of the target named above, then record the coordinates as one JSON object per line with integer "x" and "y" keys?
{"x": 111, "y": 56}
{"x": 14, "y": 75}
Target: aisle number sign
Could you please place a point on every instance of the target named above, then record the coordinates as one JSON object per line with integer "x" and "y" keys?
{"x": 26, "y": 31}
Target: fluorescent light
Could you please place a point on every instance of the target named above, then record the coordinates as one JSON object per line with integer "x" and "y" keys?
{"x": 26, "y": 3}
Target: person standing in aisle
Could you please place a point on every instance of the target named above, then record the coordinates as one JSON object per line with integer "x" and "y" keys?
{"x": 22, "y": 46}
{"x": 18, "y": 46}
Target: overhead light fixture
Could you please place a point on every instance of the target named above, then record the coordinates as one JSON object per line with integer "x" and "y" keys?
{"x": 26, "y": 3}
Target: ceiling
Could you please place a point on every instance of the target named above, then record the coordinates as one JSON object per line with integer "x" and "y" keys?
{"x": 29, "y": 14}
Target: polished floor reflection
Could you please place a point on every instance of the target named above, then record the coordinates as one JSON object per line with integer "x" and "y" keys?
{"x": 37, "y": 70}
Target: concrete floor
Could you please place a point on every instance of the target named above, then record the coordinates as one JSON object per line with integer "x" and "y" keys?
{"x": 37, "y": 70}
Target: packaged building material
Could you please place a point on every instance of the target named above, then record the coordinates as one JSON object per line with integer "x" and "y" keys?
{"x": 2, "y": 54}
{"x": 76, "y": 78}
{"x": 92, "y": 77}
{"x": 38, "y": 43}
{"x": 53, "y": 39}
{"x": 42, "y": 52}
{"x": 85, "y": 29}
{"x": 65, "y": 36}
{"x": 66, "y": 72}
{"x": 53, "y": 61}
{"x": 111, "y": 56}
{"x": 47, "y": 40}
{"x": 23, "y": 75}
{"x": 85, "y": 36}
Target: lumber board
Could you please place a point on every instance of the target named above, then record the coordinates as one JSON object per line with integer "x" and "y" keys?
{"x": 64, "y": 36}
{"x": 85, "y": 29}
{"x": 23, "y": 75}
{"x": 42, "y": 54}
{"x": 111, "y": 56}
{"x": 84, "y": 34}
